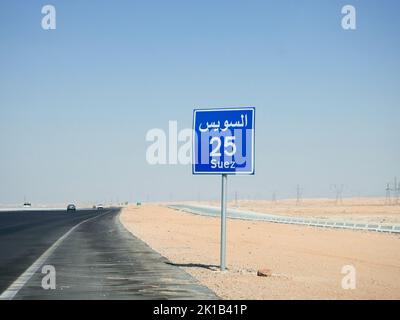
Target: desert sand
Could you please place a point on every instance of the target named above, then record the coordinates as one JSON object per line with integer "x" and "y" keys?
{"x": 306, "y": 262}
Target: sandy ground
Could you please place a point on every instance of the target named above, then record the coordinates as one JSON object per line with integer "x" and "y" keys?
{"x": 356, "y": 209}
{"x": 306, "y": 262}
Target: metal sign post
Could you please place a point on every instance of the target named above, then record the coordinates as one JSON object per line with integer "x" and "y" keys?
{"x": 224, "y": 191}
{"x": 223, "y": 144}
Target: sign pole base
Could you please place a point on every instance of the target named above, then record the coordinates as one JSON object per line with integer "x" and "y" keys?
{"x": 224, "y": 189}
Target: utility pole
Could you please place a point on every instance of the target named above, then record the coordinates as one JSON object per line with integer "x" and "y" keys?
{"x": 388, "y": 200}
{"x": 298, "y": 195}
{"x": 224, "y": 192}
{"x": 339, "y": 192}
{"x": 398, "y": 193}
{"x": 236, "y": 199}
{"x": 274, "y": 197}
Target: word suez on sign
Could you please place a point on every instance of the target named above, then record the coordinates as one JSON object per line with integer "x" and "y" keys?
{"x": 223, "y": 141}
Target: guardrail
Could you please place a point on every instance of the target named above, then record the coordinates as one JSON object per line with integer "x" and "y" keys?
{"x": 322, "y": 223}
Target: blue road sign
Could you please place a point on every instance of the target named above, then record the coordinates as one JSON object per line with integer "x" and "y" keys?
{"x": 223, "y": 141}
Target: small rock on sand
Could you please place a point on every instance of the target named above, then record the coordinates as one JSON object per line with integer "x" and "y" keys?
{"x": 264, "y": 273}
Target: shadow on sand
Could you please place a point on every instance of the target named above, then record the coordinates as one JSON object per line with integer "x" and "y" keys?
{"x": 195, "y": 265}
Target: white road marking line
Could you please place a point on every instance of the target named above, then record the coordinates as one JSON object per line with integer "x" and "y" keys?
{"x": 17, "y": 285}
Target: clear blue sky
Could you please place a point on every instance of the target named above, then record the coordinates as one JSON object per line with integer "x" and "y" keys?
{"x": 76, "y": 102}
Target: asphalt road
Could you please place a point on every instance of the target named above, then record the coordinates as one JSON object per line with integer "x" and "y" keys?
{"x": 97, "y": 259}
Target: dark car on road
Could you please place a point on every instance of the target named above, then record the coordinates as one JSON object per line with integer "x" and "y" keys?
{"x": 71, "y": 208}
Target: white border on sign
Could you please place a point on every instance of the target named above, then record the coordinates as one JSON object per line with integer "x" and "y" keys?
{"x": 252, "y": 171}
